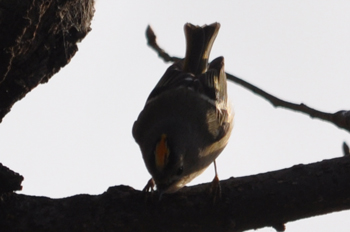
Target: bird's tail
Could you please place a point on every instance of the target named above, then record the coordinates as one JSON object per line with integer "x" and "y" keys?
{"x": 199, "y": 41}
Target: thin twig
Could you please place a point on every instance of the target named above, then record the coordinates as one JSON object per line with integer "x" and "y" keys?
{"x": 340, "y": 118}
{"x": 152, "y": 42}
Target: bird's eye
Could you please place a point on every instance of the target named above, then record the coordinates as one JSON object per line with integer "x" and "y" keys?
{"x": 180, "y": 171}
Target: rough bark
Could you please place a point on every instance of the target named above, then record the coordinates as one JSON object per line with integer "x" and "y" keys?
{"x": 37, "y": 38}
{"x": 9, "y": 180}
{"x": 269, "y": 199}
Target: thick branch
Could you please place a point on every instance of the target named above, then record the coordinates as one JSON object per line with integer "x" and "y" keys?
{"x": 9, "y": 180}
{"x": 37, "y": 38}
{"x": 269, "y": 199}
{"x": 340, "y": 118}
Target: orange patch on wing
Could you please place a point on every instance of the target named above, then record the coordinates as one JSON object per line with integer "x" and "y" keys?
{"x": 162, "y": 153}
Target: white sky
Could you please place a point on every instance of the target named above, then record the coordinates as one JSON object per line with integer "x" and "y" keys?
{"x": 73, "y": 135}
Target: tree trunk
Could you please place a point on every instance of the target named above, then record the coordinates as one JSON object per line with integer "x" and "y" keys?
{"x": 37, "y": 38}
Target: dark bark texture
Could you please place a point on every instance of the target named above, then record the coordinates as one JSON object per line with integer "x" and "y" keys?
{"x": 269, "y": 199}
{"x": 37, "y": 38}
{"x": 9, "y": 180}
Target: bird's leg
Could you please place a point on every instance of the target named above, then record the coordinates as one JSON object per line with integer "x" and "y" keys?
{"x": 215, "y": 185}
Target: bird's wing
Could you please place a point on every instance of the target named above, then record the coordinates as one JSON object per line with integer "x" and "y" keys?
{"x": 173, "y": 78}
{"x": 214, "y": 89}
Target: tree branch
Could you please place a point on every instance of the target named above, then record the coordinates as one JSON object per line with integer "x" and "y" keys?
{"x": 37, "y": 38}
{"x": 9, "y": 180}
{"x": 340, "y": 118}
{"x": 152, "y": 42}
{"x": 269, "y": 199}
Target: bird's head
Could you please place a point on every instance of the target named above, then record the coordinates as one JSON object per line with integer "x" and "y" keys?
{"x": 169, "y": 158}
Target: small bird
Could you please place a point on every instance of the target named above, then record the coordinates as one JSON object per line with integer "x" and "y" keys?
{"x": 186, "y": 121}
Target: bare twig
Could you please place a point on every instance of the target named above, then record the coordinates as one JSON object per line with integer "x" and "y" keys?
{"x": 340, "y": 118}
{"x": 152, "y": 42}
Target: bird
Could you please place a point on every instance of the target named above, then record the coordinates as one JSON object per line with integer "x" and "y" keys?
{"x": 186, "y": 121}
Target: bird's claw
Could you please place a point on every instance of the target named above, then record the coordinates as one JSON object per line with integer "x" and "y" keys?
{"x": 215, "y": 189}
{"x": 149, "y": 186}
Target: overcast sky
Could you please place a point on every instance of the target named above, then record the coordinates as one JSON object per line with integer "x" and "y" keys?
{"x": 73, "y": 134}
